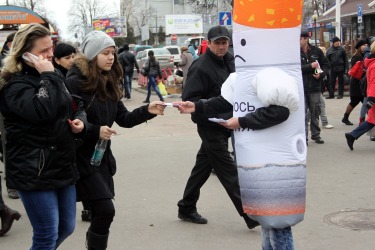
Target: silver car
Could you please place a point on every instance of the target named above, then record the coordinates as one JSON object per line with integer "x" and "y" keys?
{"x": 165, "y": 58}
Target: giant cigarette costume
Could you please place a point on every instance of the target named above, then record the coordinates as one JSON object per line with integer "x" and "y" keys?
{"x": 271, "y": 162}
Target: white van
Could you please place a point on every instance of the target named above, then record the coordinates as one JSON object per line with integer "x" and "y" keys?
{"x": 176, "y": 53}
{"x": 196, "y": 41}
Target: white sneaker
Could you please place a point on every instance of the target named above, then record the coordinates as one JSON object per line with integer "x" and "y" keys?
{"x": 328, "y": 126}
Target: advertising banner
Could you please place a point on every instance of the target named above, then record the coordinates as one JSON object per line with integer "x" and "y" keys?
{"x": 18, "y": 15}
{"x": 111, "y": 26}
{"x": 183, "y": 24}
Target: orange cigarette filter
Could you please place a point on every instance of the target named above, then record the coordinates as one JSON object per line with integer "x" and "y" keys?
{"x": 268, "y": 14}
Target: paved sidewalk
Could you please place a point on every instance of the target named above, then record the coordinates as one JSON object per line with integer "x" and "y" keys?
{"x": 154, "y": 161}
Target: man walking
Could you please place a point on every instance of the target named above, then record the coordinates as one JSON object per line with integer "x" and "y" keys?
{"x": 338, "y": 59}
{"x": 314, "y": 67}
{"x": 204, "y": 80}
{"x": 127, "y": 60}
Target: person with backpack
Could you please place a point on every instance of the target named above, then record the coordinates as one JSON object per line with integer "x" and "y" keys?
{"x": 152, "y": 70}
{"x": 355, "y": 90}
{"x": 370, "y": 121}
{"x": 128, "y": 62}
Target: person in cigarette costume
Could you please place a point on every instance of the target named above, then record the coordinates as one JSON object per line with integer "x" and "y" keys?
{"x": 266, "y": 96}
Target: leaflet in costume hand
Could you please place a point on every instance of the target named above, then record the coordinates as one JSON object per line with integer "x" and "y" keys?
{"x": 271, "y": 162}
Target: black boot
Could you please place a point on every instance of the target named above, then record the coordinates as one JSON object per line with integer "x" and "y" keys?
{"x": 96, "y": 241}
{"x": 346, "y": 119}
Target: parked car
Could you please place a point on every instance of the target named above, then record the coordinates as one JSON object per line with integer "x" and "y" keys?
{"x": 164, "y": 57}
{"x": 176, "y": 53}
{"x": 139, "y": 48}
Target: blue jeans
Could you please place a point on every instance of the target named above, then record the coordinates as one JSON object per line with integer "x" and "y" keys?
{"x": 128, "y": 84}
{"x": 277, "y": 239}
{"x": 52, "y": 214}
{"x": 361, "y": 129}
{"x": 152, "y": 83}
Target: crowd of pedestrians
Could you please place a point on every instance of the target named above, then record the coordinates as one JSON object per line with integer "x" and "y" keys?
{"x": 59, "y": 105}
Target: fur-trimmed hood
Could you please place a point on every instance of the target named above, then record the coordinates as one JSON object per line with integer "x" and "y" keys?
{"x": 80, "y": 66}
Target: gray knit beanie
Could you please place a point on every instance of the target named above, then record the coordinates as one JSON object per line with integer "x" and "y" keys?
{"x": 94, "y": 42}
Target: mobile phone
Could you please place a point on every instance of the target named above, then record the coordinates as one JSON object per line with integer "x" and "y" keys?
{"x": 24, "y": 56}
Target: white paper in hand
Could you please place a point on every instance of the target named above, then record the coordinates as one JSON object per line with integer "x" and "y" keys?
{"x": 218, "y": 120}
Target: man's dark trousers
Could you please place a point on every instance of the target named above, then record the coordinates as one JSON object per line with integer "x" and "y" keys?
{"x": 213, "y": 154}
{"x": 340, "y": 76}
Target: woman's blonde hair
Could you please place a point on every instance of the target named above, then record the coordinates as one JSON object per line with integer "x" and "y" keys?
{"x": 23, "y": 41}
{"x": 372, "y": 48}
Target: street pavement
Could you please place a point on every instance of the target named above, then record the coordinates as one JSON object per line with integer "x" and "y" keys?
{"x": 154, "y": 161}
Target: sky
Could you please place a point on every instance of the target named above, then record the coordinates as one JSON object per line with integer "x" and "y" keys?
{"x": 58, "y": 12}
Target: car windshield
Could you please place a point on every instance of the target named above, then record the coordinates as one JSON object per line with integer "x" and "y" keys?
{"x": 173, "y": 50}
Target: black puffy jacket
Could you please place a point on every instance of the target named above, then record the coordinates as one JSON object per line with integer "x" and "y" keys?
{"x": 40, "y": 147}
{"x": 204, "y": 80}
{"x": 338, "y": 59}
{"x": 310, "y": 83}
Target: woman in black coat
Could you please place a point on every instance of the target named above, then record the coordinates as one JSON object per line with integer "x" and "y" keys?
{"x": 95, "y": 79}
{"x": 355, "y": 90}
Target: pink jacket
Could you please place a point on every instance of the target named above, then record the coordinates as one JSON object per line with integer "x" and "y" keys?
{"x": 370, "y": 65}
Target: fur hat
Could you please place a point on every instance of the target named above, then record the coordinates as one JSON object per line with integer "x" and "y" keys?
{"x": 360, "y": 43}
{"x": 335, "y": 39}
{"x": 94, "y": 42}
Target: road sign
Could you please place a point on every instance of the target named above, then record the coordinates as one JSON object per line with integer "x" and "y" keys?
{"x": 225, "y": 18}
{"x": 359, "y": 13}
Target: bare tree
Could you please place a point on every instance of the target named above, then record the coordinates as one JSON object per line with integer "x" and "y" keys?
{"x": 83, "y": 12}
{"x": 35, "y": 5}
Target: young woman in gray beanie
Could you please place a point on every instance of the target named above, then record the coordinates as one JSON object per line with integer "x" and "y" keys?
{"x": 95, "y": 78}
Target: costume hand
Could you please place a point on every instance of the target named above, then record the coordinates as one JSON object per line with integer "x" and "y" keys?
{"x": 316, "y": 76}
{"x": 232, "y": 123}
{"x": 106, "y": 132}
{"x": 76, "y": 125}
{"x": 156, "y": 108}
{"x": 185, "y": 107}
{"x": 41, "y": 65}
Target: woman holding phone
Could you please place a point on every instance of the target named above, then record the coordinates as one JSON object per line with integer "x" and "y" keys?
{"x": 41, "y": 125}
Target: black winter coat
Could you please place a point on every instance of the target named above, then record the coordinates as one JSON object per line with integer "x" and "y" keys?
{"x": 310, "y": 83}
{"x": 204, "y": 80}
{"x": 97, "y": 182}
{"x": 40, "y": 148}
{"x": 128, "y": 62}
{"x": 338, "y": 59}
{"x": 153, "y": 68}
{"x": 355, "y": 84}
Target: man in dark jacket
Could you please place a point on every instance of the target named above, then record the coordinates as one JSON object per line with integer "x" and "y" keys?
{"x": 127, "y": 60}
{"x": 338, "y": 59}
{"x": 204, "y": 80}
{"x": 314, "y": 67}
